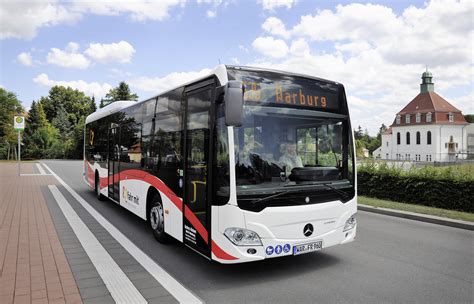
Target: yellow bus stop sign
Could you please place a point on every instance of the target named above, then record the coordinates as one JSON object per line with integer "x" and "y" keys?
{"x": 19, "y": 123}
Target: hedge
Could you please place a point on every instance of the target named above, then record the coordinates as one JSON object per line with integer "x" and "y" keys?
{"x": 448, "y": 188}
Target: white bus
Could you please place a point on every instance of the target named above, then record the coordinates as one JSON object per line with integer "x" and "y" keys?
{"x": 241, "y": 165}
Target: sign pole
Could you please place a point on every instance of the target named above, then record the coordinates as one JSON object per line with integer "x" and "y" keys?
{"x": 19, "y": 153}
{"x": 19, "y": 124}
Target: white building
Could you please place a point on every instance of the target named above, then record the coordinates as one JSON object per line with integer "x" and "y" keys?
{"x": 428, "y": 128}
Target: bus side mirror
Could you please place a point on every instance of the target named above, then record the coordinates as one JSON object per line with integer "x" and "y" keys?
{"x": 234, "y": 103}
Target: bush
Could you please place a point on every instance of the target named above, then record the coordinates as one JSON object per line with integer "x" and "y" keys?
{"x": 445, "y": 187}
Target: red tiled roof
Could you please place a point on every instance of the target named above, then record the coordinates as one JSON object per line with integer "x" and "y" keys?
{"x": 430, "y": 102}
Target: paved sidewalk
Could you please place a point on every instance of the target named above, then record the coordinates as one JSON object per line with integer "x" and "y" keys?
{"x": 33, "y": 266}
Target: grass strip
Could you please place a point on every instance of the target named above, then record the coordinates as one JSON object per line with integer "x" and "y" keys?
{"x": 457, "y": 215}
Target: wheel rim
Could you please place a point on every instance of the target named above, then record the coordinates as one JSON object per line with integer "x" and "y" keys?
{"x": 156, "y": 218}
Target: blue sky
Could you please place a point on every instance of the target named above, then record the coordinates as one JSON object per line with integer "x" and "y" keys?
{"x": 378, "y": 50}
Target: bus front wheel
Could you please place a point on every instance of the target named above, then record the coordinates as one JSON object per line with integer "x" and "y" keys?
{"x": 99, "y": 195}
{"x": 157, "y": 220}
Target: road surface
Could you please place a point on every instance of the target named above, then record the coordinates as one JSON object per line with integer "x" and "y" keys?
{"x": 393, "y": 260}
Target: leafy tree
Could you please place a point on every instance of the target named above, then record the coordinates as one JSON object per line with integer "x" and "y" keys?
{"x": 469, "y": 118}
{"x": 9, "y": 107}
{"x": 44, "y": 143}
{"x": 122, "y": 92}
{"x": 75, "y": 103}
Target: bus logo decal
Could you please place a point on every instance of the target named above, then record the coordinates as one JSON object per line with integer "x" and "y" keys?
{"x": 308, "y": 230}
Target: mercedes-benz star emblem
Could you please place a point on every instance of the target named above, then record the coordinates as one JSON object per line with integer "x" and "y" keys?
{"x": 308, "y": 230}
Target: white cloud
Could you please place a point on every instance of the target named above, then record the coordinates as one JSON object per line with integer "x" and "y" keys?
{"x": 160, "y": 84}
{"x": 69, "y": 58}
{"x": 89, "y": 88}
{"x": 22, "y": 19}
{"x": 139, "y": 10}
{"x": 243, "y": 48}
{"x": 25, "y": 59}
{"x": 272, "y": 4}
{"x": 275, "y": 27}
{"x": 379, "y": 55}
{"x": 121, "y": 52}
{"x": 270, "y": 46}
{"x": 211, "y": 14}
{"x": 300, "y": 48}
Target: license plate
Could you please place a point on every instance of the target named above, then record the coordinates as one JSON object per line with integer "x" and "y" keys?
{"x": 309, "y": 247}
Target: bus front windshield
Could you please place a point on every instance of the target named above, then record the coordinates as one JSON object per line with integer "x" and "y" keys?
{"x": 278, "y": 147}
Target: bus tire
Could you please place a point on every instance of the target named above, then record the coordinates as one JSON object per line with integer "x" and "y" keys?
{"x": 99, "y": 195}
{"x": 157, "y": 219}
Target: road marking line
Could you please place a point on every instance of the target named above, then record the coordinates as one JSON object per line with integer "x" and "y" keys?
{"x": 174, "y": 287}
{"x": 41, "y": 170}
{"x": 121, "y": 288}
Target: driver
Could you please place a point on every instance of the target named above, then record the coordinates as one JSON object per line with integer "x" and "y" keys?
{"x": 289, "y": 157}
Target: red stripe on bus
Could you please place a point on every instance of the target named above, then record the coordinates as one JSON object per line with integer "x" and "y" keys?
{"x": 220, "y": 253}
{"x": 134, "y": 174}
{"x": 192, "y": 218}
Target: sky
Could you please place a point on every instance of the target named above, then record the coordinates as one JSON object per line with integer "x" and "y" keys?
{"x": 377, "y": 49}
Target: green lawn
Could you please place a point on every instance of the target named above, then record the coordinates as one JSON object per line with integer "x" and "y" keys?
{"x": 458, "y": 215}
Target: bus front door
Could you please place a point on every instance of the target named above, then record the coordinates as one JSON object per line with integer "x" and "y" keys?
{"x": 196, "y": 230}
{"x": 113, "y": 165}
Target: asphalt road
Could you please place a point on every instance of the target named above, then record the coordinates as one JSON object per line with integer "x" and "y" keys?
{"x": 393, "y": 260}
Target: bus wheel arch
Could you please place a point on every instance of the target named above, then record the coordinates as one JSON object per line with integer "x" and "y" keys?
{"x": 155, "y": 215}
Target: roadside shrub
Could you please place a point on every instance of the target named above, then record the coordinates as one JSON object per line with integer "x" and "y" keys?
{"x": 442, "y": 187}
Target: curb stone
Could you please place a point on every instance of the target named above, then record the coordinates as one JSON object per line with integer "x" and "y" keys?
{"x": 419, "y": 217}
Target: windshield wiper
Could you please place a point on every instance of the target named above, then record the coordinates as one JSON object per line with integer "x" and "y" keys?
{"x": 264, "y": 199}
{"x": 343, "y": 193}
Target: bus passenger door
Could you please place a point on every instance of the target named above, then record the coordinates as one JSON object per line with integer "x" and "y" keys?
{"x": 196, "y": 211}
{"x": 113, "y": 165}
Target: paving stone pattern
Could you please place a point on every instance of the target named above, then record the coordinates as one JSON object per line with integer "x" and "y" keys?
{"x": 33, "y": 265}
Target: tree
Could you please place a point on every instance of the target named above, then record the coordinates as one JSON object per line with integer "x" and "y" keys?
{"x": 64, "y": 126}
{"x": 38, "y": 131}
{"x": 358, "y": 134}
{"x": 469, "y": 118}
{"x": 66, "y": 109}
{"x": 75, "y": 103}
{"x": 9, "y": 107}
{"x": 122, "y": 92}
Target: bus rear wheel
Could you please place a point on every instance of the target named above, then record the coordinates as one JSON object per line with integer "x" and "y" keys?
{"x": 99, "y": 195}
{"x": 157, "y": 220}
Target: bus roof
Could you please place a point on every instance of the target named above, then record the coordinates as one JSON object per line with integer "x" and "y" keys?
{"x": 219, "y": 71}
{"x": 109, "y": 109}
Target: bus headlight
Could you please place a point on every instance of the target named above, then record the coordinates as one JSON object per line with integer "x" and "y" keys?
{"x": 350, "y": 223}
{"x": 242, "y": 237}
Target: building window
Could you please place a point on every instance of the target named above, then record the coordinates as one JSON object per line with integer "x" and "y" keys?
{"x": 398, "y": 119}
{"x": 418, "y": 138}
{"x": 428, "y": 117}
{"x": 387, "y": 143}
{"x": 386, "y": 155}
{"x": 451, "y": 117}
{"x": 398, "y": 138}
{"x": 408, "y": 138}
{"x": 407, "y": 118}
{"x": 428, "y": 138}
{"x": 418, "y": 117}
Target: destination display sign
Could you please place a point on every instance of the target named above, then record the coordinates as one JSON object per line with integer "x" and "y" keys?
{"x": 285, "y": 90}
